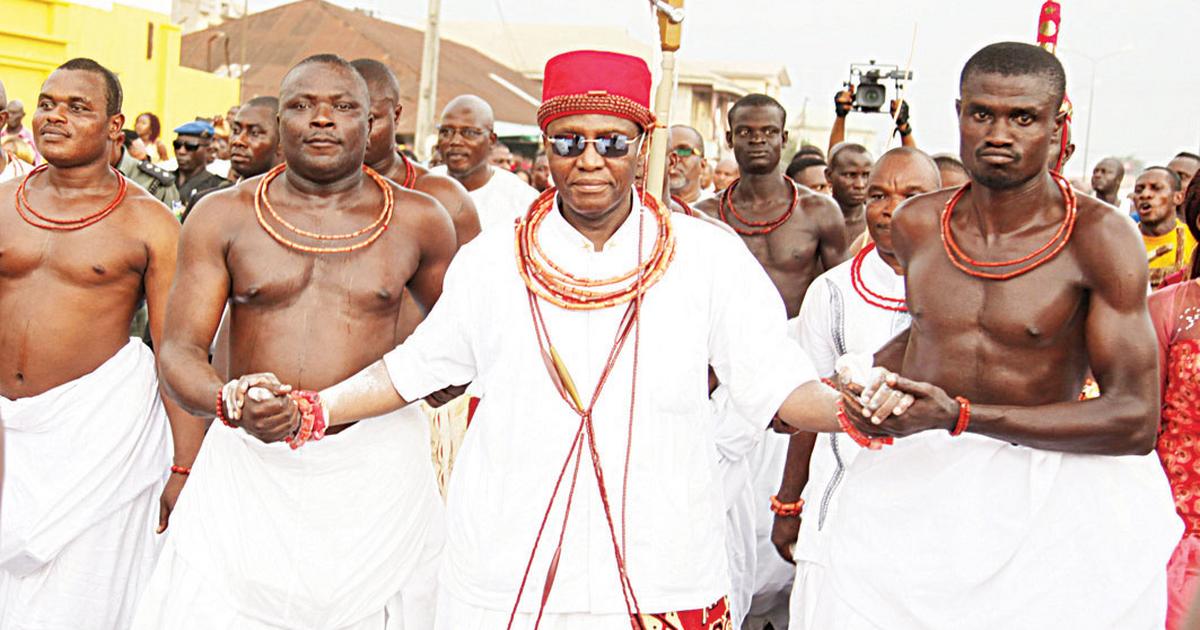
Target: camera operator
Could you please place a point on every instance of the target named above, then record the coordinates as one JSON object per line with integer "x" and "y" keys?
{"x": 843, "y": 104}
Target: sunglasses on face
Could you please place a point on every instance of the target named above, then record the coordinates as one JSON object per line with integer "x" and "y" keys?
{"x": 686, "y": 152}
{"x": 190, "y": 146}
{"x": 470, "y": 134}
{"x": 572, "y": 144}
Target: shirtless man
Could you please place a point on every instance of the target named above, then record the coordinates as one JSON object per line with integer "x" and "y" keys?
{"x": 849, "y": 168}
{"x": 315, "y": 316}
{"x": 1001, "y": 525}
{"x": 795, "y": 233}
{"x": 387, "y": 161}
{"x": 801, "y": 236}
{"x": 85, "y": 429}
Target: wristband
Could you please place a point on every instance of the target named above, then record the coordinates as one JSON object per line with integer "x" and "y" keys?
{"x": 181, "y": 470}
{"x": 221, "y": 408}
{"x": 860, "y": 438}
{"x": 313, "y": 422}
{"x": 964, "y": 416}
{"x": 905, "y": 130}
{"x": 786, "y": 509}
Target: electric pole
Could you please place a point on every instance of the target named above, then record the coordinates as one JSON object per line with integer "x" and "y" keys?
{"x": 427, "y": 100}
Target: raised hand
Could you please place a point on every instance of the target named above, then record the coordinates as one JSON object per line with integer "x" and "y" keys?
{"x": 843, "y": 102}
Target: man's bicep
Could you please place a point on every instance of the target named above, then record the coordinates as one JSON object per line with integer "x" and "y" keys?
{"x": 163, "y": 245}
{"x": 201, "y": 287}
{"x": 1121, "y": 344}
{"x": 832, "y": 227}
{"x": 437, "y": 242}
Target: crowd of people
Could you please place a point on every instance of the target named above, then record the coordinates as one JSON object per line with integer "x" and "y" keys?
{"x": 833, "y": 391}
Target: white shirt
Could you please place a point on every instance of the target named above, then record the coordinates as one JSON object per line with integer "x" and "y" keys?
{"x": 13, "y": 168}
{"x": 714, "y": 306}
{"x": 835, "y": 320}
{"x": 501, "y": 201}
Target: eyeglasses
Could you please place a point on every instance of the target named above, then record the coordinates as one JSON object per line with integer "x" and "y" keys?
{"x": 468, "y": 133}
{"x": 686, "y": 152}
{"x": 190, "y": 146}
{"x": 572, "y": 144}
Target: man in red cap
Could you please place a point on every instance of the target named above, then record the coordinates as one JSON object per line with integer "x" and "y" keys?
{"x": 583, "y": 494}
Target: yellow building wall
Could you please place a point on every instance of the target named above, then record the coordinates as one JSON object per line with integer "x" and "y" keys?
{"x": 141, "y": 47}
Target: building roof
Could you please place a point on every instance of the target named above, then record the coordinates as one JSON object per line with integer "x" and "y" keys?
{"x": 279, "y": 38}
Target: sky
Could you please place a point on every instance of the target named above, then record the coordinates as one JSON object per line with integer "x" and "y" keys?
{"x": 1143, "y": 106}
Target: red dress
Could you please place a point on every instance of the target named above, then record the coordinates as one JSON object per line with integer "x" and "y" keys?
{"x": 1176, "y": 315}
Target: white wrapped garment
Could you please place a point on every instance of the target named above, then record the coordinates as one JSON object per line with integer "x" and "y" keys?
{"x": 85, "y": 462}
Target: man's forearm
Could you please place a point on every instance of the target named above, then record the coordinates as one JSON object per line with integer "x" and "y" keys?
{"x": 1109, "y": 425}
{"x": 795, "y": 468}
{"x": 187, "y": 432}
{"x": 837, "y": 134}
{"x": 189, "y": 379}
{"x": 811, "y": 407}
{"x": 367, "y": 394}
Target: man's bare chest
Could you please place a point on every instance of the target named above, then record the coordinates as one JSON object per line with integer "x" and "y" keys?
{"x": 99, "y": 255}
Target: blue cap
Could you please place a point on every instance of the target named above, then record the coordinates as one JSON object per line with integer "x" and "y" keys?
{"x": 201, "y": 128}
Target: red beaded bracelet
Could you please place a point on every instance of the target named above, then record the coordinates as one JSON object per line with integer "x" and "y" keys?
{"x": 312, "y": 418}
{"x": 221, "y": 407}
{"x": 786, "y": 509}
{"x": 860, "y": 438}
{"x": 964, "y": 416}
{"x": 180, "y": 470}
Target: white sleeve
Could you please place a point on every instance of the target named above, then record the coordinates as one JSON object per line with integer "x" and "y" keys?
{"x": 748, "y": 342}
{"x": 813, "y": 327}
{"x": 440, "y": 352}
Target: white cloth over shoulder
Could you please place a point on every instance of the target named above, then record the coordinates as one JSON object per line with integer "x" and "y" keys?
{"x": 85, "y": 462}
{"x": 318, "y": 538}
{"x": 713, "y": 306}
{"x": 501, "y": 201}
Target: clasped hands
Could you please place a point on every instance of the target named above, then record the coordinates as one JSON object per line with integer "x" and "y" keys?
{"x": 260, "y": 405}
{"x": 881, "y": 403}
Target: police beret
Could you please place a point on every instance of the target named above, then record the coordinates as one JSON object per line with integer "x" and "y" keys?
{"x": 201, "y": 128}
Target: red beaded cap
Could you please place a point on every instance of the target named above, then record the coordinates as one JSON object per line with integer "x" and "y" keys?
{"x": 596, "y": 82}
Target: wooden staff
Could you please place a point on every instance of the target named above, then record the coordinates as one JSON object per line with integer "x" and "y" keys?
{"x": 670, "y": 28}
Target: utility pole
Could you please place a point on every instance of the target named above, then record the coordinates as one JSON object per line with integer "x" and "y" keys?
{"x": 428, "y": 93}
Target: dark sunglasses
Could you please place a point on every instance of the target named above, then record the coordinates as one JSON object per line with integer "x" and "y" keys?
{"x": 190, "y": 146}
{"x": 572, "y": 144}
{"x": 686, "y": 152}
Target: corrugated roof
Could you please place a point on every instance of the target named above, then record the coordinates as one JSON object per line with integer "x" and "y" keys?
{"x": 278, "y": 38}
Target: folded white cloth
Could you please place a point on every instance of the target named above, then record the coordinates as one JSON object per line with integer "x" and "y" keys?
{"x": 85, "y": 462}
{"x": 317, "y": 538}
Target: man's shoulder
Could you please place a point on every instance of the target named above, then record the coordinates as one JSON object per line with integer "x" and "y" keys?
{"x": 922, "y": 211}
{"x": 222, "y": 204}
{"x": 441, "y": 184}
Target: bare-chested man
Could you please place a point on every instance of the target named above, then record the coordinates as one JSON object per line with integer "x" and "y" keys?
{"x": 795, "y": 234}
{"x": 387, "y": 161}
{"x": 342, "y": 532}
{"x": 85, "y": 428}
{"x": 849, "y": 168}
{"x": 1013, "y": 505}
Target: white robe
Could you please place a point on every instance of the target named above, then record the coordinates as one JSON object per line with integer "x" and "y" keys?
{"x": 341, "y": 533}
{"x": 85, "y": 462}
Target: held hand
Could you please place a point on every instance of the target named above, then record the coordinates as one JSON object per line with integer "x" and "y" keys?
{"x": 784, "y": 533}
{"x": 843, "y": 102}
{"x": 902, "y": 117}
{"x": 234, "y": 392}
{"x": 443, "y": 396}
{"x": 901, "y": 407}
{"x": 269, "y": 414}
{"x": 166, "y": 501}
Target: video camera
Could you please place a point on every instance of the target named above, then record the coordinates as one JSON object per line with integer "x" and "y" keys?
{"x": 866, "y": 79}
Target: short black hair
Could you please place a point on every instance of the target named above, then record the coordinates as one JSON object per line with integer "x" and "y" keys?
{"x": 810, "y": 149}
{"x": 329, "y": 59}
{"x": 801, "y": 162}
{"x": 1188, "y": 155}
{"x": 945, "y": 160}
{"x": 268, "y": 102}
{"x": 1012, "y": 59}
{"x": 113, "y": 95}
{"x": 377, "y": 72}
{"x": 128, "y": 136}
{"x": 756, "y": 100}
{"x": 1172, "y": 176}
{"x": 843, "y": 148}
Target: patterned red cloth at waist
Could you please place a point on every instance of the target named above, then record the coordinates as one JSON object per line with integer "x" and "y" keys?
{"x": 715, "y": 617}
{"x": 1179, "y": 436}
